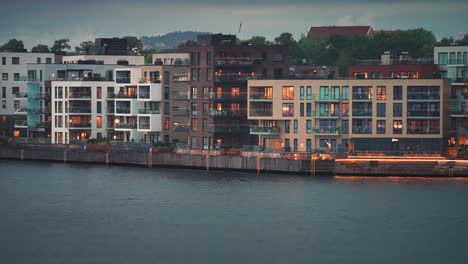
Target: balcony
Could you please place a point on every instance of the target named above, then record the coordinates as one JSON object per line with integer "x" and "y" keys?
{"x": 144, "y": 126}
{"x": 79, "y": 95}
{"x": 260, "y": 112}
{"x": 180, "y": 112}
{"x": 362, "y": 130}
{"x": 424, "y": 131}
{"x": 79, "y": 125}
{"x": 267, "y": 131}
{"x": 226, "y": 129}
{"x": 327, "y": 131}
{"x": 42, "y": 96}
{"x": 126, "y": 126}
{"x": 21, "y": 110}
{"x": 149, "y": 80}
{"x": 424, "y": 114}
{"x": 79, "y": 110}
{"x": 236, "y": 61}
{"x": 261, "y": 97}
{"x": 180, "y": 96}
{"x": 459, "y": 113}
{"x": 21, "y": 95}
{"x": 327, "y": 115}
{"x": 148, "y": 111}
{"x": 236, "y": 77}
{"x": 122, "y": 80}
{"x": 122, "y": 110}
{"x": 43, "y": 125}
{"x": 181, "y": 128}
{"x": 362, "y": 97}
{"x": 20, "y": 123}
{"x": 362, "y": 113}
{"x": 229, "y": 96}
{"x": 124, "y": 96}
{"x": 328, "y": 99}
{"x": 423, "y": 97}
{"x": 180, "y": 78}
{"x": 227, "y": 113}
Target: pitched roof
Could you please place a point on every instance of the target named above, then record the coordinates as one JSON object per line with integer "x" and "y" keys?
{"x": 347, "y": 31}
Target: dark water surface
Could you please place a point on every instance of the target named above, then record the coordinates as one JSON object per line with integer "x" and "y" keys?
{"x": 75, "y": 213}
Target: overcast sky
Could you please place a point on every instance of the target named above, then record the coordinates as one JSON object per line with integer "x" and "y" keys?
{"x": 43, "y": 21}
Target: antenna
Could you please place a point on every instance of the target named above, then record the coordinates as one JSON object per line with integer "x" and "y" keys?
{"x": 240, "y": 30}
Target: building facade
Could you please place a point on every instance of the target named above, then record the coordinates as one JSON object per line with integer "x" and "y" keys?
{"x": 389, "y": 66}
{"x": 387, "y": 116}
{"x": 219, "y": 70}
{"x": 453, "y": 63}
{"x": 14, "y": 91}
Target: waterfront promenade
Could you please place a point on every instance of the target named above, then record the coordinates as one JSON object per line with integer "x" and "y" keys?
{"x": 304, "y": 164}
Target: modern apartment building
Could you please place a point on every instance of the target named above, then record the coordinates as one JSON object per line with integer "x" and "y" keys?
{"x": 388, "y": 115}
{"x": 389, "y": 66}
{"x": 453, "y": 63}
{"x": 144, "y": 103}
{"x": 96, "y": 109}
{"x": 104, "y": 59}
{"x": 14, "y": 92}
{"x": 219, "y": 70}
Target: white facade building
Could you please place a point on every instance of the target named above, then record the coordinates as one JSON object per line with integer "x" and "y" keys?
{"x": 106, "y": 59}
{"x": 13, "y": 89}
{"x": 125, "y": 109}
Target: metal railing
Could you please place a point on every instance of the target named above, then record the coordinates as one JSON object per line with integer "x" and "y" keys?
{"x": 148, "y": 111}
{"x": 261, "y": 130}
{"x": 261, "y": 112}
{"x": 418, "y": 113}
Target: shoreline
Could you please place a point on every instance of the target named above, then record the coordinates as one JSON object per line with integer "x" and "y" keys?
{"x": 363, "y": 166}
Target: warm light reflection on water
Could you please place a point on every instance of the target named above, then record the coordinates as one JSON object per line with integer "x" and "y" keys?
{"x": 398, "y": 179}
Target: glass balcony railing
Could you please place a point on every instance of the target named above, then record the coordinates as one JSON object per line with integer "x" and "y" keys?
{"x": 126, "y": 125}
{"x": 148, "y": 111}
{"x": 79, "y": 110}
{"x": 122, "y": 110}
{"x": 335, "y": 114}
{"x": 261, "y": 130}
{"x": 423, "y": 96}
{"x": 362, "y": 96}
{"x": 261, "y": 97}
{"x": 80, "y": 125}
{"x": 418, "y": 113}
{"x": 236, "y": 61}
{"x": 236, "y": 77}
{"x": 79, "y": 95}
{"x": 423, "y": 130}
{"x": 227, "y": 113}
{"x": 21, "y": 109}
{"x": 358, "y": 113}
{"x": 21, "y": 95}
{"x": 327, "y": 131}
{"x": 21, "y": 123}
{"x": 144, "y": 126}
{"x": 362, "y": 130}
{"x": 261, "y": 112}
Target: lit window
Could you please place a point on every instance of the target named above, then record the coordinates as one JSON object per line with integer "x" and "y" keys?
{"x": 16, "y": 133}
{"x": 288, "y": 109}
{"x": 288, "y": 93}
{"x": 235, "y": 92}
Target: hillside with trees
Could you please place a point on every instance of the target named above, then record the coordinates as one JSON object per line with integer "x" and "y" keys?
{"x": 170, "y": 40}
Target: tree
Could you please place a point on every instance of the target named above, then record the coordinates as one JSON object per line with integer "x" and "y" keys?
{"x": 285, "y": 38}
{"x": 40, "y": 48}
{"x": 12, "y": 45}
{"x": 463, "y": 41}
{"x": 60, "y": 46}
{"x": 86, "y": 47}
{"x": 446, "y": 41}
{"x": 134, "y": 45}
{"x": 258, "y": 40}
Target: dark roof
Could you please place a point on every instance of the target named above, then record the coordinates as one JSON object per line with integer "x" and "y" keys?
{"x": 347, "y": 31}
